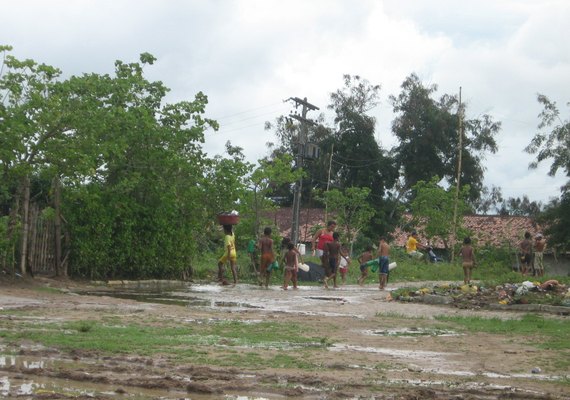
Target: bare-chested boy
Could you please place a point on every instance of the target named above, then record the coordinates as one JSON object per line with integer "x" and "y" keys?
{"x": 332, "y": 252}
{"x": 291, "y": 266}
{"x": 265, "y": 245}
{"x": 362, "y": 260}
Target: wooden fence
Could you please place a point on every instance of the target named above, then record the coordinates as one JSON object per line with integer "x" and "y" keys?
{"x": 41, "y": 250}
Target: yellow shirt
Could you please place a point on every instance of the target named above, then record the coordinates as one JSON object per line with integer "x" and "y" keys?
{"x": 411, "y": 244}
{"x": 229, "y": 240}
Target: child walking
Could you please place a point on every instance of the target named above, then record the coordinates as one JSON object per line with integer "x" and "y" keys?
{"x": 468, "y": 260}
{"x": 384, "y": 261}
{"x": 362, "y": 260}
{"x": 230, "y": 255}
{"x": 291, "y": 266}
{"x": 265, "y": 245}
{"x": 344, "y": 263}
{"x": 331, "y": 254}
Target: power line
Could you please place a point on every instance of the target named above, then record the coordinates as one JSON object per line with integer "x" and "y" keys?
{"x": 249, "y": 110}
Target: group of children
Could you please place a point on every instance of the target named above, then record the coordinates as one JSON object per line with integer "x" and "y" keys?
{"x": 528, "y": 249}
{"x": 334, "y": 257}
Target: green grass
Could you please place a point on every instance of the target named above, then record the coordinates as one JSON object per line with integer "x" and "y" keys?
{"x": 180, "y": 342}
{"x": 45, "y": 289}
{"x": 545, "y": 333}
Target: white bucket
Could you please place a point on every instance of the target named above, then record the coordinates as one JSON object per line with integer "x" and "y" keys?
{"x": 301, "y": 248}
{"x": 304, "y": 267}
{"x": 392, "y": 265}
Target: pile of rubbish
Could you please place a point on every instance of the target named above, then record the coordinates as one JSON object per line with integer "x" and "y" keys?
{"x": 478, "y": 296}
{"x": 520, "y": 293}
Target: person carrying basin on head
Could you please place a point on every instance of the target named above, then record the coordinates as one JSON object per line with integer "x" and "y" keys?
{"x": 230, "y": 255}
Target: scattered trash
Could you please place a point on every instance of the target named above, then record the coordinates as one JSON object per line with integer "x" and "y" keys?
{"x": 472, "y": 296}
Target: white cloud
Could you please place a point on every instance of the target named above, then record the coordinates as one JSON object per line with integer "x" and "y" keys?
{"x": 249, "y": 55}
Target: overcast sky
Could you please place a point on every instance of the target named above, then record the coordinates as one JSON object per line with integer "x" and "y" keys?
{"x": 248, "y": 56}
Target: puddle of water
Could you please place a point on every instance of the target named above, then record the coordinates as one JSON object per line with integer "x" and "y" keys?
{"x": 411, "y": 332}
{"x": 234, "y": 304}
{"x": 22, "y": 363}
{"x": 39, "y": 386}
{"x": 146, "y": 297}
{"x": 408, "y": 354}
{"x": 335, "y": 299}
{"x": 17, "y": 386}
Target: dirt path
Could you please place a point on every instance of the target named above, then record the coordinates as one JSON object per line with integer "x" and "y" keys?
{"x": 376, "y": 348}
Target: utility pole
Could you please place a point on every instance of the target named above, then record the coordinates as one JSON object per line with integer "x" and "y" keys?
{"x": 459, "y": 160}
{"x": 328, "y": 183}
{"x": 301, "y": 148}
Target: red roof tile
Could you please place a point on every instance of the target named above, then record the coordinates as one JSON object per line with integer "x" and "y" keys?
{"x": 494, "y": 230}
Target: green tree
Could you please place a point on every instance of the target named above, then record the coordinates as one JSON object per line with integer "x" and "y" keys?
{"x": 352, "y": 210}
{"x": 147, "y": 195}
{"x": 30, "y": 122}
{"x": 355, "y": 158}
{"x": 433, "y": 208}
{"x": 521, "y": 207}
{"x": 552, "y": 142}
{"x": 556, "y": 217}
{"x": 427, "y": 130}
{"x": 269, "y": 175}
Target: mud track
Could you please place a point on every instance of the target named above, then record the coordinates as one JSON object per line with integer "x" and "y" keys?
{"x": 375, "y": 348}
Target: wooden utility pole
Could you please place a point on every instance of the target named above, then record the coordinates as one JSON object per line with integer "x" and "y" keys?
{"x": 301, "y": 146}
{"x": 328, "y": 183}
{"x": 457, "y": 188}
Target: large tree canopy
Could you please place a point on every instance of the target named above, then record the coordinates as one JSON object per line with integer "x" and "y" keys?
{"x": 552, "y": 142}
{"x": 427, "y": 130}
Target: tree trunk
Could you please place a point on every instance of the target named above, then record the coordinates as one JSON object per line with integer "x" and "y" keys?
{"x": 12, "y": 224}
{"x": 57, "y": 225}
{"x": 25, "y": 225}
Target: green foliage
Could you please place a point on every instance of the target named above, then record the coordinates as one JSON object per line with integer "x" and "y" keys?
{"x": 132, "y": 167}
{"x": 556, "y": 217}
{"x": 551, "y": 145}
{"x": 433, "y": 210}
{"x": 351, "y": 209}
{"x": 269, "y": 175}
{"x": 427, "y": 130}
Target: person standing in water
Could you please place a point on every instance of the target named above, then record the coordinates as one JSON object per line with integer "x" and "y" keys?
{"x": 230, "y": 255}
{"x": 384, "y": 261}
{"x": 265, "y": 245}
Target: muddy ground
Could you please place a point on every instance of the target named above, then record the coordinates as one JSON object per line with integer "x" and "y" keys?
{"x": 376, "y": 348}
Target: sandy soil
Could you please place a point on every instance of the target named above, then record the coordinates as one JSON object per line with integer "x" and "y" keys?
{"x": 379, "y": 348}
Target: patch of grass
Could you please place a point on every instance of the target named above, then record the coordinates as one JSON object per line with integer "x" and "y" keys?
{"x": 181, "y": 342}
{"x": 47, "y": 289}
{"x": 552, "y": 334}
{"x": 395, "y": 315}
